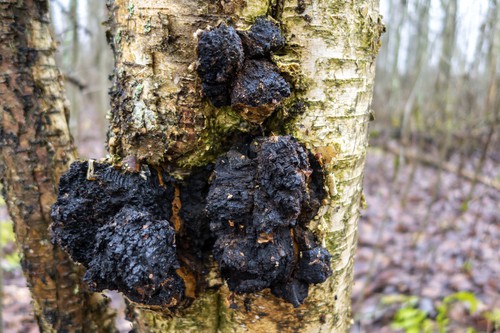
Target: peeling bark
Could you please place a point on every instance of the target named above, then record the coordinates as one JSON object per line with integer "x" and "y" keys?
{"x": 160, "y": 117}
{"x": 35, "y": 149}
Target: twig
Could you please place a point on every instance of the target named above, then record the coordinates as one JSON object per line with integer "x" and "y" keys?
{"x": 430, "y": 161}
{"x": 67, "y": 13}
{"x": 75, "y": 81}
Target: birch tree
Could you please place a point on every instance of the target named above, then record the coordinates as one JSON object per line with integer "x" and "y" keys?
{"x": 36, "y": 148}
{"x": 160, "y": 117}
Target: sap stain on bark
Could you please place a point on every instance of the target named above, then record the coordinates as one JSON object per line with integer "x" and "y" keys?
{"x": 116, "y": 225}
{"x": 261, "y": 198}
{"x": 235, "y": 69}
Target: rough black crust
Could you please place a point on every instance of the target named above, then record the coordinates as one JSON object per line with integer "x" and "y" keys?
{"x": 250, "y": 266}
{"x": 220, "y": 56}
{"x": 263, "y": 38}
{"x": 116, "y": 225}
{"x": 218, "y": 94}
{"x": 136, "y": 254}
{"x": 259, "y": 83}
{"x": 238, "y": 71}
{"x": 293, "y": 291}
{"x": 257, "y": 201}
{"x": 314, "y": 266}
{"x": 253, "y": 214}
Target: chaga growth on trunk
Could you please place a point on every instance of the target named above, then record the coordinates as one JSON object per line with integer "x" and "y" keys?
{"x": 260, "y": 201}
{"x": 221, "y": 56}
{"x": 116, "y": 225}
{"x": 253, "y": 87}
{"x": 148, "y": 235}
{"x": 263, "y": 38}
{"x": 194, "y": 235}
{"x": 135, "y": 254}
{"x": 257, "y": 90}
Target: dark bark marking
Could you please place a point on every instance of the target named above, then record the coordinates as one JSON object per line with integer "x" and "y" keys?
{"x": 301, "y": 7}
{"x": 277, "y": 7}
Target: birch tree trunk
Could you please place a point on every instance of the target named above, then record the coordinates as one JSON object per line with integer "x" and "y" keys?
{"x": 159, "y": 117}
{"x": 35, "y": 149}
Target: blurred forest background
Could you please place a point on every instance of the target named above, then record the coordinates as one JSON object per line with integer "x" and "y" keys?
{"x": 429, "y": 238}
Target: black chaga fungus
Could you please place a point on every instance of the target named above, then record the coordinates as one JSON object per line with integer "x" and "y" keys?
{"x": 256, "y": 205}
{"x": 283, "y": 169}
{"x": 116, "y": 225}
{"x": 230, "y": 198}
{"x": 292, "y": 291}
{"x": 135, "y": 254}
{"x": 314, "y": 266}
{"x": 218, "y": 94}
{"x": 220, "y": 56}
{"x": 258, "y": 89}
{"x": 263, "y": 38}
{"x": 238, "y": 71}
{"x": 249, "y": 264}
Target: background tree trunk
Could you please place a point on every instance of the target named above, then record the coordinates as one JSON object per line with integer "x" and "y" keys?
{"x": 35, "y": 149}
{"x": 159, "y": 117}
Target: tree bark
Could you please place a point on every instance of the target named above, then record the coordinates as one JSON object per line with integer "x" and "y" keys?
{"x": 35, "y": 149}
{"x": 159, "y": 117}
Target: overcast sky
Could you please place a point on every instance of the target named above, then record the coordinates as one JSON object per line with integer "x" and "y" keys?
{"x": 471, "y": 15}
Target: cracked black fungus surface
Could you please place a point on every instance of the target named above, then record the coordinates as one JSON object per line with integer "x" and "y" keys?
{"x": 222, "y": 57}
{"x": 235, "y": 69}
{"x": 259, "y": 201}
{"x": 259, "y": 83}
{"x": 253, "y": 215}
{"x": 263, "y": 38}
{"x": 116, "y": 225}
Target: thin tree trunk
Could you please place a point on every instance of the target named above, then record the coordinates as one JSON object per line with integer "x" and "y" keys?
{"x": 395, "y": 91}
{"x": 71, "y": 59}
{"x": 159, "y": 117}
{"x": 35, "y": 149}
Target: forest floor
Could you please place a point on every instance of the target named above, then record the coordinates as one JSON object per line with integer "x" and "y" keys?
{"x": 420, "y": 247}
